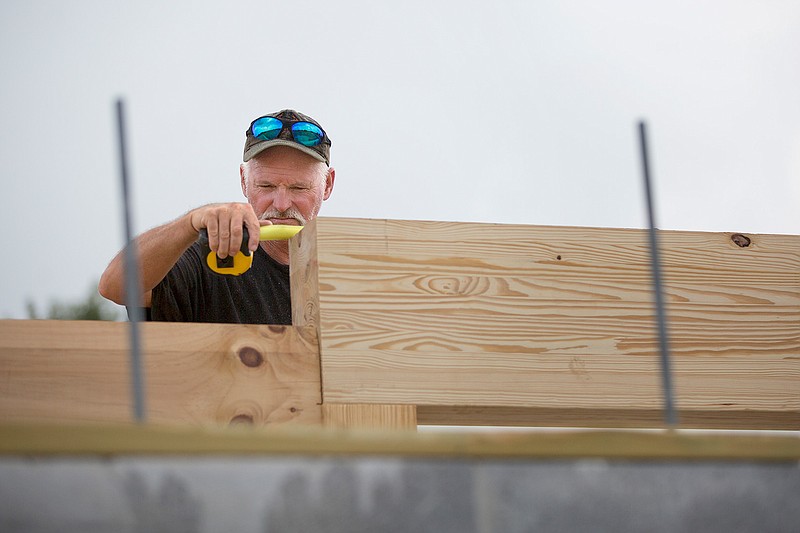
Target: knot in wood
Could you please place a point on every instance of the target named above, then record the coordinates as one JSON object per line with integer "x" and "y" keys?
{"x": 453, "y": 286}
{"x": 740, "y": 240}
{"x": 250, "y": 357}
{"x": 242, "y": 419}
{"x": 444, "y": 285}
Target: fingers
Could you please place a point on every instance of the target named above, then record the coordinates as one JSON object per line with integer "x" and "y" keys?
{"x": 231, "y": 218}
{"x": 253, "y": 227}
{"x": 258, "y": 231}
{"x": 224, "y": 223}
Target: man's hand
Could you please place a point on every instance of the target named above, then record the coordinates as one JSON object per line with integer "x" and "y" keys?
{"x": 161, "y": 247}
{"x": 224, "y": 223}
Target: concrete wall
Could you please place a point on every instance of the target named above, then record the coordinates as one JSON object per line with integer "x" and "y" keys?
{"x": 277, "y": 494}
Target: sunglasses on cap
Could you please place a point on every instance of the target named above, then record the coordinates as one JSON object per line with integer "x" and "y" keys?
{"x": 269, "y": 128}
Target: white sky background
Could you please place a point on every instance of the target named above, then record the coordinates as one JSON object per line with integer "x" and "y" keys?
{"x": 511, "y": 112}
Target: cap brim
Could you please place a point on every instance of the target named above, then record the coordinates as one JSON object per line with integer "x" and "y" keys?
{"x": 260, "y": 147}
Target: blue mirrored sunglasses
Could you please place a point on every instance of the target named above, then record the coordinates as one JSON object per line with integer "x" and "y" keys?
{"x": 305, "y": 133}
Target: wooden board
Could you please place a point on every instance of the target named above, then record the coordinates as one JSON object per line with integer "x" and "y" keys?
{"x": 304, "y": 280}
{"x": 43, "y": 440}
{"x": 206, "y": 374}
{"x": 462, "y": 314}
{"x": 593, "y": 417}
{"x": 369, "y": 416}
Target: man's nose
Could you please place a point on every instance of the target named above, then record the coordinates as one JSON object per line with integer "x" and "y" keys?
{"x": 282, "y": 201}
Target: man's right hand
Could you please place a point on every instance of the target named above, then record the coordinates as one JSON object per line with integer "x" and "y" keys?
{"x": 224, "y": 224}
{"x": 161, "y": 247}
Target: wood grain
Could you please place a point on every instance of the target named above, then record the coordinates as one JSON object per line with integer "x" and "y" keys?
{"x": 201, "y": 374}
{"x": 369, "y": 416}
{"x": 464, "y": 314}
{"x": 304, "y": 282}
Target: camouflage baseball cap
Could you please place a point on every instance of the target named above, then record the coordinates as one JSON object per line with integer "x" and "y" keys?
{"x": 256, "y": 143}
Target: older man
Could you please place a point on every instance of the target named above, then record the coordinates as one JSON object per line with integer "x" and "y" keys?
{"x": 286, "y": 175}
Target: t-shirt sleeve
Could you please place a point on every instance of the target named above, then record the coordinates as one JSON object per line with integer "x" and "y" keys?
{"x": 172, "y": 299}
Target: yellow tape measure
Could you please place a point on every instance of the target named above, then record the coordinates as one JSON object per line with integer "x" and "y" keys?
{"x": 277, "y": 232}
{"x": 243, "y": 260}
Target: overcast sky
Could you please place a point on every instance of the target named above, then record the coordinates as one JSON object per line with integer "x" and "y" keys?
{"x": 508, "y": 111}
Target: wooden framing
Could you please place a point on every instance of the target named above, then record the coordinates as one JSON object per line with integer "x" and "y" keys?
{"x": 198, "y": 374}
{"x": 405, "y": 322}
{"x": 529, "y": 325}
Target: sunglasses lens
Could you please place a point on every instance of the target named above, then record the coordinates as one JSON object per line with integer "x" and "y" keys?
{"x": 267, "y": 128}
{"x": 307, "y": 134}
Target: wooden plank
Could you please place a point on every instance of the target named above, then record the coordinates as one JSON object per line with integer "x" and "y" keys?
{"x": 477, "y": 315}
{"x": 724, "y": 384}
{"x": 561, "y": 327}
{"x": 459, "y": 415}
{"x": 369, "y": 416}
{"x": 304, "y": 281}
{"x": 44, "y": 440}
{"x": 207, "y": 374}
{"x": 611, "y": 254}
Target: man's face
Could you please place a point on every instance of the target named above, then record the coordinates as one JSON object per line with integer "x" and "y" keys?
{"x": 286, "y": 186}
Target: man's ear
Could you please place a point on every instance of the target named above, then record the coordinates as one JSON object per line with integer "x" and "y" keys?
{"x": 244, "y": 180}
{"x": 329, "y": 183}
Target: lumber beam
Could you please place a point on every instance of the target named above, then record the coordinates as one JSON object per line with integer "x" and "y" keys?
{"x": 199, "y": 374}
{"x": 149, "y": 440}
{"x": 459, "y": 415}
{"x": 541, "y": 324}
{"x": 304, "y": 280}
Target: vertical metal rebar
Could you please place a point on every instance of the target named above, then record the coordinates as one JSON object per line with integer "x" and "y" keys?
{"x": 132, "y": 284}
{"x": 670, "y": 415}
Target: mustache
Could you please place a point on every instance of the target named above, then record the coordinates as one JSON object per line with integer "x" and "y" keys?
{"x": 289, "y": 213}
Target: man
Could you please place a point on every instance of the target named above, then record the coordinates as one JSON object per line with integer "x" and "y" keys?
{"x": 285, "y": 176}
